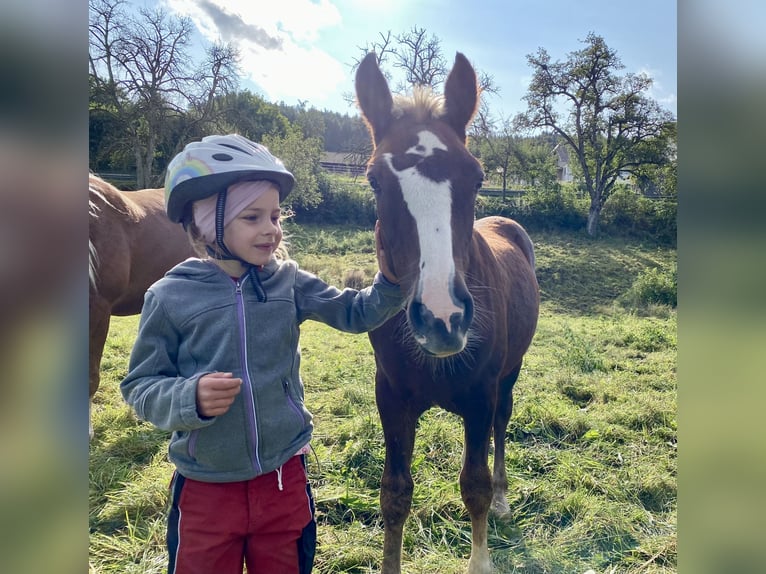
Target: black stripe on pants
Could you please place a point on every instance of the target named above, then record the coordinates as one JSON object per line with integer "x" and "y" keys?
{"x": 174, "y": 520}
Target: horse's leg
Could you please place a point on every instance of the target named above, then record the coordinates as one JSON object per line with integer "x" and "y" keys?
{"x": 100, "y": 314}
{"x": 476, "y": 483}
{"x": 502, "y": 415}
{"x": 399, "y": 422}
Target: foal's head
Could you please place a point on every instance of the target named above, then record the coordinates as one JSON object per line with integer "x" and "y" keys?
{"x": 425, "y": 183}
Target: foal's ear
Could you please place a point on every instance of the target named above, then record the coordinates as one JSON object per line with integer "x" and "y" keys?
{"x": 461, "y": 95}
{"x": 373, "y": 96}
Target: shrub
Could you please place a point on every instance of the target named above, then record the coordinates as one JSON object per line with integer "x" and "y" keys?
{"x": 489, "y": 205}
{"x": 557, "y": 206}
{"x": 629, "y": 214}
{"x": 343, "y": 202}
{"x": 654, "y": 286}
{"x": 541, "y": 208}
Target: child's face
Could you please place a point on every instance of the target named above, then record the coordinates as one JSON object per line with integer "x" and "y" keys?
{"x": 256, "y": 232}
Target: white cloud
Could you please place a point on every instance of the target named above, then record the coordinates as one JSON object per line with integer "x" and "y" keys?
{"x": 657, "y": 91}
{"x": 293, "y": 72}
{"x": 275, "y": 40}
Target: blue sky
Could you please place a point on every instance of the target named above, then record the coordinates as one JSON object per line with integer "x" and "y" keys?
{"x": 302, "y": 49}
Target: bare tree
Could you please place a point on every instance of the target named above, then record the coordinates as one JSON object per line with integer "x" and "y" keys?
{"x": 141, "y": 69}
{"x": 420, "y": 58}
{"x": 382, "y": 48}
{"x": 496, "y": 145}
{"x": 609, "y": 124}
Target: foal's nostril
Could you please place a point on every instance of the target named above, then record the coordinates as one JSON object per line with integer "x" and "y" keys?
{"x": 467, "y": 312}
{"x": 423, "y": 320}
{"x": 420, "y": 315}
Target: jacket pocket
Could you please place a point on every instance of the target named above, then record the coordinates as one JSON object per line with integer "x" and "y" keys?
{"x": 191, "y": 444}
{"x": 296, "y": 406}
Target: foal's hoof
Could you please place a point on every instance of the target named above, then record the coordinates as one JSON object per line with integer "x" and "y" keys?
{"x": 500, "y": 508}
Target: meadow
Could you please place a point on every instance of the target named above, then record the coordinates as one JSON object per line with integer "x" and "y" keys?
{"x": 591, "y": 455}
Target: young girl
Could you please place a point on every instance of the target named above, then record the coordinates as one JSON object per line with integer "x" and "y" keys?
{"x": 217, "y": 362}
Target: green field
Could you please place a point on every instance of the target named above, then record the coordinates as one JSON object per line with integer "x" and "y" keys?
{"x": 591, "y": 455}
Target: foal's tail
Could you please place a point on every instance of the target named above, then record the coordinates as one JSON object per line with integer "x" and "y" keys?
{"x": 92, "y": 264}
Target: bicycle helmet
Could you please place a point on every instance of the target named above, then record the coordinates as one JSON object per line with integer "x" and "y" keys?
{"x": 207, "y": 167}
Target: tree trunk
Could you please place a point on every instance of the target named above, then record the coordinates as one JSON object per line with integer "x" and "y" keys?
{"x": 505, "y": 184}
{"x": 593, "y": 217}
{"x": 140, "y": 176}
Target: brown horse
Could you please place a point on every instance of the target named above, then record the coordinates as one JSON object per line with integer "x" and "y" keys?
{"x": 472, "y": 296}
{"x": 132, "y": 243}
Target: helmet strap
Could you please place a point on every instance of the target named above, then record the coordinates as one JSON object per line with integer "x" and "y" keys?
{"x": 224, "y": 253}
{"x": 220, "y": 210}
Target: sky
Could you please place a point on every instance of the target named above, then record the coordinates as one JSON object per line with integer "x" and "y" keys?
{"x": 303, "y": 50}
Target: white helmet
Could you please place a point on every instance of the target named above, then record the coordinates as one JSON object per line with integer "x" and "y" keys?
{"x": 209, "y": 166}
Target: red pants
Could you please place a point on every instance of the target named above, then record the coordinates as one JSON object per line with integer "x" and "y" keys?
{"x": 214, "y": 527}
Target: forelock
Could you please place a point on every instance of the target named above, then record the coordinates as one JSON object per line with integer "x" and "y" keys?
{"x": 422, "y": 105}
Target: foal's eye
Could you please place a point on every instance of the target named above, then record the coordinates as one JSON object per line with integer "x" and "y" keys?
{"x": 374, "y": 184}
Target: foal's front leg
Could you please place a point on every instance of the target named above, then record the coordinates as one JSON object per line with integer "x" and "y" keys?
{"x": 476, "y": 486}
{"x": 399, "y": 422}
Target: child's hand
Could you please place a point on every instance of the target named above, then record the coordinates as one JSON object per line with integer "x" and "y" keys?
{"x": 382, "y": 260}
{"x": 216, "y": 392}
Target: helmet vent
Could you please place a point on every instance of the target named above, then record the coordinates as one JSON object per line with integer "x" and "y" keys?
{"x": 234, "y": 147}
{"x": 222, "y": 157}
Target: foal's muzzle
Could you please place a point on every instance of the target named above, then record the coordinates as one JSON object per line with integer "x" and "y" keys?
{"x": 433, "y": 335}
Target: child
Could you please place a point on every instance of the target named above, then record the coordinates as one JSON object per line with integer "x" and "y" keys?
{"x": 216, "y": 361}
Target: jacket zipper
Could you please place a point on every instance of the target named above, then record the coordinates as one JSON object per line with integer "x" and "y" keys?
{"x": 249, "y": 388}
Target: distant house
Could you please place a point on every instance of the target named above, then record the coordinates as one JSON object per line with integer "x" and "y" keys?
{"x": 347, "y": 163}
{"x": 563, "y": 171}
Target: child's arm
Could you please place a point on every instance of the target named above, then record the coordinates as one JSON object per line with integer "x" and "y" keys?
{"x": 350, "y": 310}
{"x": 153, "y": 386}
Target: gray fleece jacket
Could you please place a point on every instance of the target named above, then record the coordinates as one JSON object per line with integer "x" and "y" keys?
{"x": 197, "y": 320}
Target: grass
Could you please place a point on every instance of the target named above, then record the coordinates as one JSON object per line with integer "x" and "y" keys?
{"x": 591, "y": 454}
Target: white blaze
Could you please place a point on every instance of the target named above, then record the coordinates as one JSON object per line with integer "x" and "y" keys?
{"x": 430, "y": 204}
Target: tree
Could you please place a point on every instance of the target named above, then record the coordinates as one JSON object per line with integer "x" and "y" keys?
{"x": 496, "y": 147}
{"x": 251, "y": 116}
{"x": 611, "y": 126}
{"x": 310, "y": 120}
{"x": 660, "y": 179}
{"x": 419, "y": 59}
{"x": 524, "y": 160}
{"x": 142, "y": 73}
{"x": 536, "y": 163}
{"x": 301, "y": 156}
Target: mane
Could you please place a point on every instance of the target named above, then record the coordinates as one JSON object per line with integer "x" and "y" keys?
{"x": 423, "y": 104}
{"x": 100, "y": 190}
{"x": 100, "y": 193}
